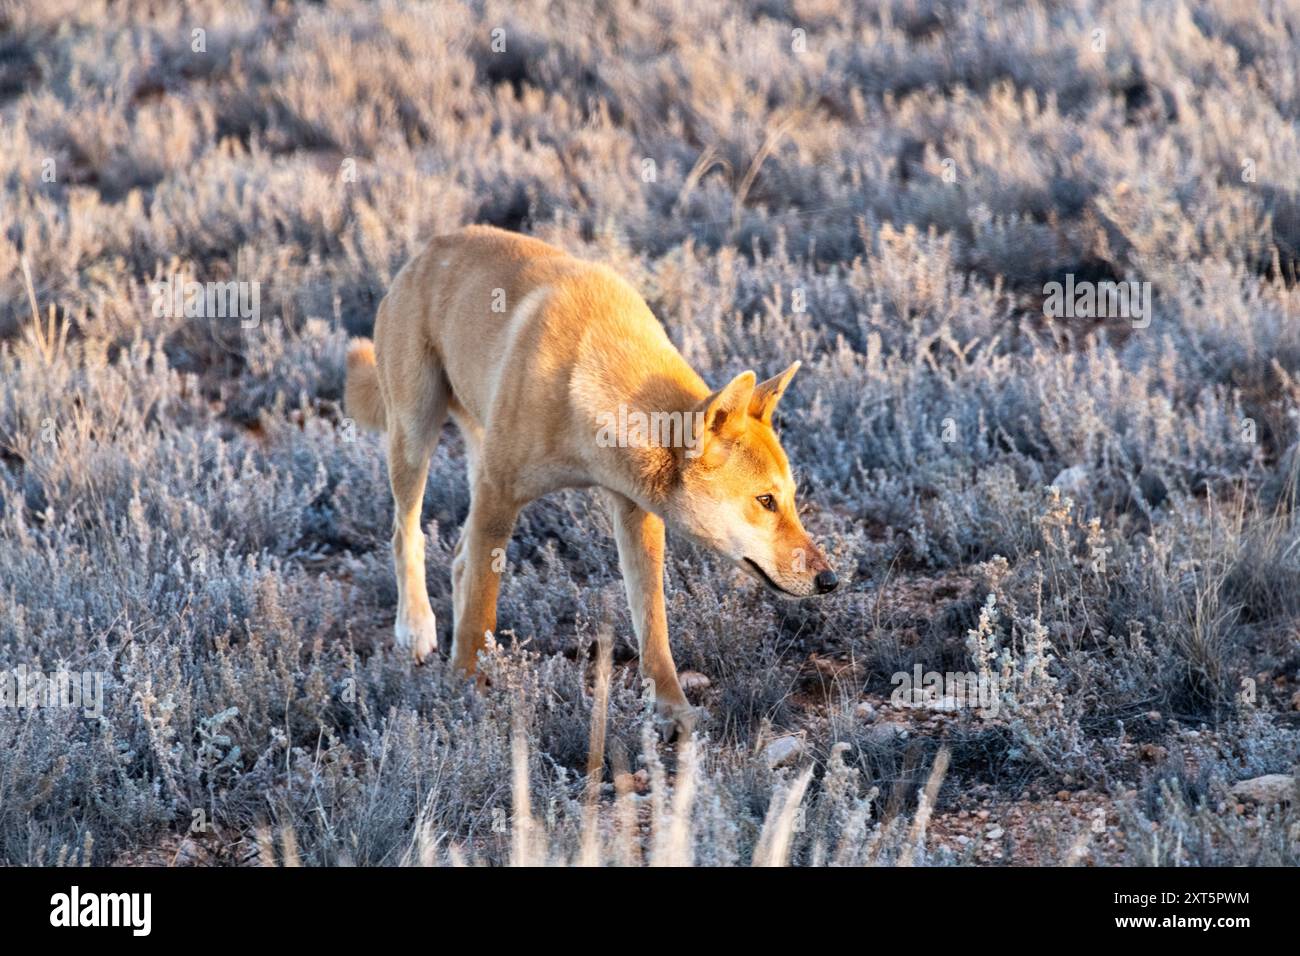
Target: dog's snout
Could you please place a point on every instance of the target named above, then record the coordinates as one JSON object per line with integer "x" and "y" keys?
{"x": 826, "y": 581}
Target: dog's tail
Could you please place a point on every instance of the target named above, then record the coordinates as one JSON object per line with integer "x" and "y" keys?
{"x": 361, "y": 399}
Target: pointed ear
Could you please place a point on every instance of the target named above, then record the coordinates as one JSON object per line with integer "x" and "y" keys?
{"x": 763, "y": 402}
{"x": 723, "y": 407}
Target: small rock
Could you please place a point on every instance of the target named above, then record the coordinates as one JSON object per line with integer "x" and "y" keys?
{"x": 981, "y": 815}
{"x": 833, "y": 669}
{"x": 692, "y": 681}
{"x": 1153, "y": 753}
{"x": 1063, "y": 795}
{"x": 886, "y": 733}
{"x": 190, "y": 853}
{"x": 1270, "y": 788}
{"x": 1295, "y": 700}
{"x": 1154, "y": 716}
{"x": 917, "y": 697}
{"x": 995, "y": 833}
{"x": 1072, "y": 480}
{"x": 866, "y": 710}
{"x": 783, "y": 751}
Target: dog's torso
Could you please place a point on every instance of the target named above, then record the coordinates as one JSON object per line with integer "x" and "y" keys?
{"x": 535, "y": 346}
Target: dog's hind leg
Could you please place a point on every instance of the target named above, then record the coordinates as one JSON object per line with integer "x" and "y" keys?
{"x": 640, "y": 538}
{"x": 416, "y": 395}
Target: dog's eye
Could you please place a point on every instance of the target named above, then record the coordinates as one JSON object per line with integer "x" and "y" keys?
{"x": 767, "y": 501}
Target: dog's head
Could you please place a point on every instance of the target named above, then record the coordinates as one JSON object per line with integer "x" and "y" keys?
{"x": 735, "y": 493}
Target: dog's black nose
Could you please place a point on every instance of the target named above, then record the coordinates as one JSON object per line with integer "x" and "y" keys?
{"x": 826, "y": 581}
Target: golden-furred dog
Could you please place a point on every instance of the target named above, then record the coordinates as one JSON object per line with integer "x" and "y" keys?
{"x": 559, "y": 376}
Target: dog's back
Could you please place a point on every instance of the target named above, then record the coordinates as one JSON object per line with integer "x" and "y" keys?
{"x": 483, "y": 308}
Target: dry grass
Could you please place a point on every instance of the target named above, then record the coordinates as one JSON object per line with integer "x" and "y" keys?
{"x": 185, "y": 512}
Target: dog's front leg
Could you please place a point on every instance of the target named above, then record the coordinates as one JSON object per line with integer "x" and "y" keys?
{"x": 640, "y": 538}
{"x": 476, "y": 572}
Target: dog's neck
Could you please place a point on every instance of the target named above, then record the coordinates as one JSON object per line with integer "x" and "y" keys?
{"x": 667, "y": 402}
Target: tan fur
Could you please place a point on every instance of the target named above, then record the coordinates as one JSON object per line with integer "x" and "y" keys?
{"x": 361, "y": 398}
{"x": 529, "y": 385}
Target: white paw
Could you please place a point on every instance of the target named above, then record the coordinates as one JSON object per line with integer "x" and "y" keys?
{"x": 418, "y": 637}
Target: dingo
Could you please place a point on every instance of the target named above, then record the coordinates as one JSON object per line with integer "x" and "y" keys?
{"x": 536, "y": 355}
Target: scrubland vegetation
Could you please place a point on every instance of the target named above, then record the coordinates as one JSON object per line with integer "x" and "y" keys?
{"x": 1098, "y": 512}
